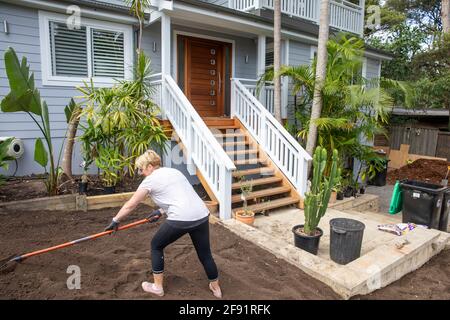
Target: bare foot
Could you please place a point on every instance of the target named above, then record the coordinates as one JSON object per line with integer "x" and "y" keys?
{"x": 215, "y": 290}
{"x": 151, "y": 288}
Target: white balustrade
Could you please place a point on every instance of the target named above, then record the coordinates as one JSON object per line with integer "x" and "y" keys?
{"x": 156, "y": 89}
{"x": 273, "y": 138}
{"x": 267, "y": 93}
{"x": 344, "y": 15}
{"x": 201, "y": 147}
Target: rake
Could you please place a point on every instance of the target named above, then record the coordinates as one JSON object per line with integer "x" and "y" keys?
{"x": 6, "y": 263}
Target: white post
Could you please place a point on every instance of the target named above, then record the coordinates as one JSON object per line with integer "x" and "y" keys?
{"x": 261, "y": 64}
{"x": 165, "y": 45}
{"x": 225, "y": 194}
{"x": 362, "y": 4}
{"x": 233, "y": 99}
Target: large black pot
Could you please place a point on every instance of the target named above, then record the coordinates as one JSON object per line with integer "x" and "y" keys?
{"x": 340, "y": 195}
{"x": 346, "y": 237}
{"x": 109, "y": 190}
{"x": 307, "y": 243}
{"x": 82, "y": 187}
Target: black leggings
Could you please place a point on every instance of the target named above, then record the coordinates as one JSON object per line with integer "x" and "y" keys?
{"x": 200, "y": 238}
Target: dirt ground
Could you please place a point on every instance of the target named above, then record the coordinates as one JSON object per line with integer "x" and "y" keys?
{"x": 431, "y": 171}
{"x": 113, "y": 267}
{"x": 30, "y": 187}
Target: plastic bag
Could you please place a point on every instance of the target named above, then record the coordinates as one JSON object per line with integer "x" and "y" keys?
{"x": 397, "y": 199}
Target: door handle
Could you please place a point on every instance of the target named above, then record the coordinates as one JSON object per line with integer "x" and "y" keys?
{"x": 220, "y": 82}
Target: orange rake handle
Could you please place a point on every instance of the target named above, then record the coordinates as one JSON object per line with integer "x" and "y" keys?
{"x": 71, "y": 243}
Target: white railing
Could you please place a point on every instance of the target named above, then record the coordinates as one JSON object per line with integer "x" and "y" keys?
{"x": 266, "y": 95}
{"x": 201, "y": 147}
{"x": 156, "y": 90}
{"x": 273, "y": 138}
{"x": 242, "y": 5}
{"x": 344, "y": 15}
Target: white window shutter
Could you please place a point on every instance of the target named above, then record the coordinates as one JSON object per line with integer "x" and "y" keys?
{"x": 107, "y": 54}
{"x": 69, "y": 50}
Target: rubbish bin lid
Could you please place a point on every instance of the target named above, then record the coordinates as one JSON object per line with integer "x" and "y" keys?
{"x": 423, "y": 186}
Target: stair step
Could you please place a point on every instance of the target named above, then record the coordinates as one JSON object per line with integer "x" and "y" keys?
{"x": 271, "y": 204}
{"x": 224, "y": 127}
{"x": 235, "y": 143}
{"x": 229, "y": 135}
{"x": 239, "y": 152}
{"x": 249, "y": 161}
{"x": 256, "y": 182}
{"x": 261, "y": 193}
{"x": 264, "y": 170}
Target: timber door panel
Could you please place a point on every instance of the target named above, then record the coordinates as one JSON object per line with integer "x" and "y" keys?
{"x": 204, "y": 75}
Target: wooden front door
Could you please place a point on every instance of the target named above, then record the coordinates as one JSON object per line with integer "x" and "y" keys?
{"x": 204, "y": 75}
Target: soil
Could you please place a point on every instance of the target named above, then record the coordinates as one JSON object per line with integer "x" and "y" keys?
{"x": 430, "y": 282}
{"x": 431, "y": 171}
{"x": 113, "y": 267}
{"x": 31, "y": 187}
{"x": 301, "y": 232}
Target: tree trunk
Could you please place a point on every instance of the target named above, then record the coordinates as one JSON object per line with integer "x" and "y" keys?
{"x": 445, "y": 15}
{"x": 277, "y": 58}
{"x": 66, "y": 164}
{"x": 321, "y": 70}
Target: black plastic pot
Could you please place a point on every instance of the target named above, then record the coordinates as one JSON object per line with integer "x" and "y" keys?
{"x": 345, "y": 239}
{"x": 82, "y": 187}
{"x": 109, "y": 190}
{"x": 362, "y": 190}
{"x": 349, "y": 192}
{"x": 307, "y": 243}
{"x": 339, "y": 196}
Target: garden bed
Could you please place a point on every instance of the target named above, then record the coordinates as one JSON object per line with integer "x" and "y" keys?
{"x": 31, "y": 187}
{"x": 113, "y": 267}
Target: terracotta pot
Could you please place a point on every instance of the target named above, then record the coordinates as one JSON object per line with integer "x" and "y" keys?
{"x": 333, "y": 196}
{"x": 247, "y": 219}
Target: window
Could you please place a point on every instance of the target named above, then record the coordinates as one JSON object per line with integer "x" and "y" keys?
{"x": 98, "y": 50}
{"x": 269, "y": 54}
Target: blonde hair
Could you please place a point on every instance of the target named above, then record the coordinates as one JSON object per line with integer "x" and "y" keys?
{"x": 148, "y": 157}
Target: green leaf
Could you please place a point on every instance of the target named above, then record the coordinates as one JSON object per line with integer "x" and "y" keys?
{"x": 68, "y": 110}
{"x": 40, "y": 154}
{"x": 21, "y": 84}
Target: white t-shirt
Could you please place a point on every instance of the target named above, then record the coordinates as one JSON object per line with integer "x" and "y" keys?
{"x": 172, "y": 192}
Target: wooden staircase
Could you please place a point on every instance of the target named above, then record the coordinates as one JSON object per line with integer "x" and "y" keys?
{"x": 271, "y": 189}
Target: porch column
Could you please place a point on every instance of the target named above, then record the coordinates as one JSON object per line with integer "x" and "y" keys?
{"x": 165, "y": 45}
{"x": 261, "y": 62}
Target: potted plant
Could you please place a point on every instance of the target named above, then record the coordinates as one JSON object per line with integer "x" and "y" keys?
{"x": 245, "y": 215}
{"x": 83, "y": 183}
{"x": 307, "y": 235}
{"x": 112, "y": 163}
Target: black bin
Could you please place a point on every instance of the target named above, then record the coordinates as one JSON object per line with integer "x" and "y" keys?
{"x": 443, "y": 221}
{"x": 422, "y": 202}
{"x": 345, "y": 239}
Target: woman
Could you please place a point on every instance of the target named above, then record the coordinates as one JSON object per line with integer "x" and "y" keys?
{"x": 186, "y": 213}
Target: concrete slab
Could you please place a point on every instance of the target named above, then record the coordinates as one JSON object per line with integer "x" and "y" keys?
{"x": 381, "y": 261}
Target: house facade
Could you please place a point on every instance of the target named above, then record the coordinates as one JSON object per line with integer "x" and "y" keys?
{"x": 206, "y": 57}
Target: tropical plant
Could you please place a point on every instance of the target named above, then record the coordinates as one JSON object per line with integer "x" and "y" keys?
{"x": 25, "y": 97}
{"x": 4, "y": 157}
{"x": 122, "y": 116}
{"x": 354, "y": 108}
{"x": 112, "y": 163}
{"x": 317, "y": 198}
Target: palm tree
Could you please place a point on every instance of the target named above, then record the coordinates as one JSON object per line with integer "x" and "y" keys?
{"x": 277, "y": 57}
{"x": 138, "y": 8}
{"x": 445, "y": 14}
{"x": 321, "y": 71}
